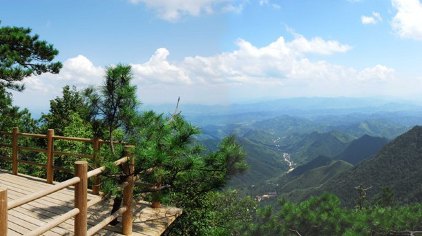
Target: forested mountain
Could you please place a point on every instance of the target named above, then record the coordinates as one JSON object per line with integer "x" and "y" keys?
{"x": 397, "y": 166}
{"x": 264, "y": 163}
{"x": 267, "y": 142}
{"x": 298, "y": 186}
{"x": 315, "y": 163}
{"x": 362, "y": 148}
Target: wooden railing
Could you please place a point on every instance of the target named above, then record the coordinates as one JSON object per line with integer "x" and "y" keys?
{"x": 80, "y": 180}
{"x": 50, "y": 137}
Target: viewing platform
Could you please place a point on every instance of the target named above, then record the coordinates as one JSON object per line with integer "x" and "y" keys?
{"x": 33, "y": 206}
{"x": 26, "y": 218}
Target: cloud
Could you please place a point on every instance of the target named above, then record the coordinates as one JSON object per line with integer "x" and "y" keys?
{"x": 173, "y": 10}
{"x": 281, "y": 68}
{"x": 158, "y": 69}
{"x": 78, "y": 71}
{"x": 373, "y": 19}
{"x": 407, "y": 22}
{"x": 269, "y": 3}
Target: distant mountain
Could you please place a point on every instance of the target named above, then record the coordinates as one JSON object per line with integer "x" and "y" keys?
{"x": 313, "y": 178}
{"x": 297, "y": 185}
{"x": 374, "y": 127}
{"x": 316, "y": 144}
{"x": 264, "y": 163}
{"x": 315, "y": 163}
{"x": 398, "y": 166}
{"x": 362, "y": 148}
{"x": 287, "y": 125}
{"x": 266, "y": 141}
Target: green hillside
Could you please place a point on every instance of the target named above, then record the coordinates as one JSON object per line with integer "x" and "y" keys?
{"x": 314, "y": 178}
{"x": 397, "y": 166}
{"x": 264, "y": 163}
{"x": 362, "y": 149}
{"x": 315, "y": 163}
{"x": 374, "y": 127}
{"x": 317, "y": 144}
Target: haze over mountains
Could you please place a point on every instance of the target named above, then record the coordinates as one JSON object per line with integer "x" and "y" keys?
{"x": 305, "y": 146}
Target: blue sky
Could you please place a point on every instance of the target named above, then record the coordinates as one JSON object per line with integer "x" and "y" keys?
{"x": 225, "y": 51}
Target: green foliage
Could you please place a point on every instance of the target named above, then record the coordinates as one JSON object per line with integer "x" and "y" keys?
{"x": 12, "y": 116}
{"x": 169, "y": 160}
{"x": 362, "y": 149}
{"x": 114, "y": 107}
{"x": 324, "y": 215}
{"x": 22, "y": 55}
{"x": 63, "y": 110}
{"x": 397, "y": 166}
{"x": 76, "y": 127}
{"x": 219, "y": 213}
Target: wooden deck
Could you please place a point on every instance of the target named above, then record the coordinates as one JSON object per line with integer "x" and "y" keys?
{"x": 24, "y": 219}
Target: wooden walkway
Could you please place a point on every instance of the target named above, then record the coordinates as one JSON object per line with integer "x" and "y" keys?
{"x": 24, "y": 219}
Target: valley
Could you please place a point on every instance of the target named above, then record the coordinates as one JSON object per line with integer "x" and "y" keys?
{"x": 315, "y": 150}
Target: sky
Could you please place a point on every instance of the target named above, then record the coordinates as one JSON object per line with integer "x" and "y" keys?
{"x": 228, "y": 51}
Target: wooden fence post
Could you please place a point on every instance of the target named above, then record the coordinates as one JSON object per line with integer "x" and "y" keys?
{"x": 81, "y": 189}
{"x": 15, "y": 133}
{"x": 96, "y": 152}
{"x": 127, "y": 217}
{"x": 3, "y": 211}
{"x": 50, "y": 156}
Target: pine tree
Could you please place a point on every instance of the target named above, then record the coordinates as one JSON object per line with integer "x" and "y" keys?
{"x": 23, "y": 55}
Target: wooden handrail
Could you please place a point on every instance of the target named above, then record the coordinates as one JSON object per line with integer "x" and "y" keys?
{"x": 54, "y": 222}
{"x": 101, "y": 169}
{"x": 50, "y": 156}
{"x": 29, "y": 135}
{"x": 49, "y": 150}
{"x": 87, "y": 140}
{"x": 43, "y": 193}
{"x": 81, "y": 198}
{"x": 81, "y": 204}
{"x": 80, "y": 181}
{"x": 31, "y": 163}
{"x": 3, "y": 209}
{"x": 106, "y": 221}
{"x": 32, "y": 149}
{"x": 15, "y": 132}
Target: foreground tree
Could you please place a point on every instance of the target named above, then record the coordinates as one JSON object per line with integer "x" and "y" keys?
{"x": 323, "y": 215}
{"x": 115, "y": 104}
{"x": 174, "y": 168}
{"x": 13, "y": 116}
{"x": 22, "y": 55}
{"x": 64, "y": 109}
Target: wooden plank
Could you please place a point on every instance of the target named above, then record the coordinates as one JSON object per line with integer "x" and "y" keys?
{"x": 56, "y": 197}
{"x": 31, "y": 185}
{"x": 11, "y": 232}
{"x": 147, "y": 221}
{"x": 25, "y": 215}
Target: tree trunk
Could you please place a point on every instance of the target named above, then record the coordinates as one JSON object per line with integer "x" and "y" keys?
{"x": 110, "y": 138}
{"x": 116, "y": 206}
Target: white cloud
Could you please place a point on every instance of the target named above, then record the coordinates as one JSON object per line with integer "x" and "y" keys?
{"x": 281, "y": 68}
{"x": 269, "y": 3}
{"x": 373, "y": 19}
{"x": 173, "y": 10}
{"x": 158, "y": 69}
{"x": 78, "y": 71}
{"x": 407, "y": 22}
{"x": 317, "y": 45}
